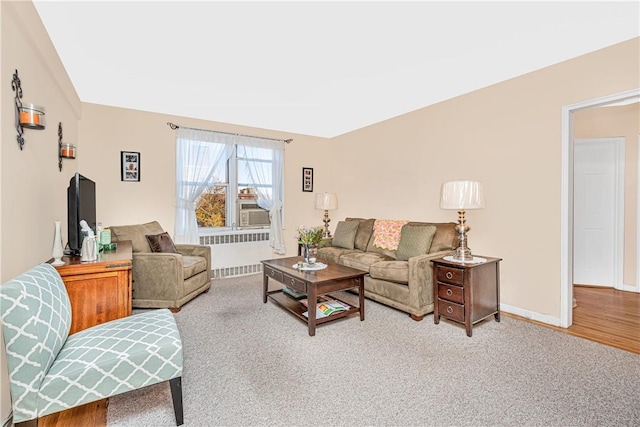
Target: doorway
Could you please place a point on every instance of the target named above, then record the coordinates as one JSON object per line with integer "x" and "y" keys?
{"x": 566, "y": 210}
{"x": 598, "y": 215}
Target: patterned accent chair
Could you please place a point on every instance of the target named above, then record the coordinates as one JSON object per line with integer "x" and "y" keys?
{"x": 50, "y": 370}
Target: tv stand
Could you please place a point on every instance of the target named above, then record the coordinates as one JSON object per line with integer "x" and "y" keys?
{"x": 100, "y": 290}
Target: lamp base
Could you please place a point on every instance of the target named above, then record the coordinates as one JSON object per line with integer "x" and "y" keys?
{"x": 326, "y": 220}
{"x": 463, "y": 254}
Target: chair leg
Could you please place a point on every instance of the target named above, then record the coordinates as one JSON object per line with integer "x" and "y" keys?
{"x": 176, "y": 394}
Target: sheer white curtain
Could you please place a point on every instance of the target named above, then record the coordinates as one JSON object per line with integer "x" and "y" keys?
{"x": 198, "y": 152}
{"x": 271, "y": 202}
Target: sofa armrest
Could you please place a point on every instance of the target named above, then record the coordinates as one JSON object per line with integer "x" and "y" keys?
{"x": 157, "y": 276}
{"x": 421, "y": 277}
{"x": 194, "y": 250}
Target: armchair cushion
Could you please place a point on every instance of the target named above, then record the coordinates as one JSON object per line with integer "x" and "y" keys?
{"x": 161, "y": 243}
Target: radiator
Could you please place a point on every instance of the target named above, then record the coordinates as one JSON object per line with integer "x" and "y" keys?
{"x": 237, "y": 252}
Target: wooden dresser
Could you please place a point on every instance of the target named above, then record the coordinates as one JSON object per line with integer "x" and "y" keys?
{"x": 466, "y": 293}
{"x": 100, "y": 290}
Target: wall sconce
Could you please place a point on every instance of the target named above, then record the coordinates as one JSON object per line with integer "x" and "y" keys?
{"x": 65, "y": 151}
{"x": 326, "y": 201}
{"x": 461, "y": 195}
{"x": 27, "y": 116}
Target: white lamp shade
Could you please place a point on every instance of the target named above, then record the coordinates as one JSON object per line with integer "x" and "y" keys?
{"x": 326, "y": 201}
{"x": 462, "y": 195}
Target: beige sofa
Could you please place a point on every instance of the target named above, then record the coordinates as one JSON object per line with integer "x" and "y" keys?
{"x": 164, "y": 279}
{"x": 404, "y": 282}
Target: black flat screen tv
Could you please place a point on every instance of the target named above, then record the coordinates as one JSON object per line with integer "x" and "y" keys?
{"x": 81, "y": 204}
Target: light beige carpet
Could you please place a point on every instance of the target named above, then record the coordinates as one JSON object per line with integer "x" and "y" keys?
{"x": 252, "y": 364}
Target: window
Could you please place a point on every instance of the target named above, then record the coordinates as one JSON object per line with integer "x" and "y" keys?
{"x": 235, "y": 188}
{"x": 218, "y": 174}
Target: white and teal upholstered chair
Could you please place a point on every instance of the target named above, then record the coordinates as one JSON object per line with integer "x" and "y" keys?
{"x": 50, "y": 370}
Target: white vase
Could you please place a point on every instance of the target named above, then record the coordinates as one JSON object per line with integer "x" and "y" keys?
{"x": 58, "y": 251}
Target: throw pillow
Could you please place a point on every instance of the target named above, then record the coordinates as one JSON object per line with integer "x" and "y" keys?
{"x": 365, "y": 230}
{"x": 414, "y": 241}
{"x": 161, "y": 243}
{"x": 345, "y": 234}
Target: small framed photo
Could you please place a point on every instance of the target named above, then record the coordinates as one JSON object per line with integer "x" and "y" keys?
{"x": 129, "y": 166}
{"x": 307, "y": 179}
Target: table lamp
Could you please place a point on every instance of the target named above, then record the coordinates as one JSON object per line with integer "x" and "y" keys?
{"x": 462, "y": 195}
{"x": 326, "y": 202}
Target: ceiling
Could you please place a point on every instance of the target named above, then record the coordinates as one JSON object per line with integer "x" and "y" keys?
{"x": 315, "y": 68}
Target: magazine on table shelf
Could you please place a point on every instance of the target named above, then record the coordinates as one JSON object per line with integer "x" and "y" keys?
{"x": 325, "y": 307}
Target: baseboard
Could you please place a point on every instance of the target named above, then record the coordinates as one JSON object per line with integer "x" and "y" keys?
{"x": 528, "y": 314}
{"x": 630, "y": 288}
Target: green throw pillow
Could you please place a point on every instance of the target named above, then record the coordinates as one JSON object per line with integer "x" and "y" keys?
{"x": 345, "y": 234}
{"x": 414, "y": 240}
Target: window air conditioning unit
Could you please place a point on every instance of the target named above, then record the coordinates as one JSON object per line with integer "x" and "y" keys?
{"x": 252, "y": 215}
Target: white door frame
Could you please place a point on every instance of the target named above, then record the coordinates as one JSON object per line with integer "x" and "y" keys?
{"x": 618, "y": 205}
{"x": 566, "y": 203}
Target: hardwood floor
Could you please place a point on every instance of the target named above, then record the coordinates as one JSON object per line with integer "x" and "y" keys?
{"x": 92, "y": 414}
{"x": 604, "y": 315}
{"x": 607, "y": 316}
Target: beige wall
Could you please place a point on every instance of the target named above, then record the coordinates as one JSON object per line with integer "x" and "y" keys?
{"x": 106, "y": 131}
{"x": 620, "y": 121}
{"x": 32, "y": 189}
{"x": 507, "y": 135}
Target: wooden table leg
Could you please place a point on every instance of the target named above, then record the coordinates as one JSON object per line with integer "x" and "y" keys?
{"x": 265, "y": 286}
{"x": 312, "y": 304}
{"x": 361, "y": 296}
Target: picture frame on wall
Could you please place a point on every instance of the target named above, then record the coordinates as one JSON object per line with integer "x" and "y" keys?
{"x": 129, "y": 166}
{"x": 307, "y": 180}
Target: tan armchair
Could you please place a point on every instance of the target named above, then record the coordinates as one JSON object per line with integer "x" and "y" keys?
{"x": 162, "y": 279}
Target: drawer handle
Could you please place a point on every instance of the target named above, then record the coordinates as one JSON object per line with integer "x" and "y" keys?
{"x": 272, "y": 272}
{"x": 449, "y": 275}
{"x": 449, "y": 309}
{"x": 293, "y": 282}
{"x": 449, "y": 292}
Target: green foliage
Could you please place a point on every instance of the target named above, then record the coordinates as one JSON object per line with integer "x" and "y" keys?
{"x": 309, "y": 235}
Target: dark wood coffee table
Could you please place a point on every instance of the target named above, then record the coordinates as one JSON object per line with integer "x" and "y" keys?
{"x": 313, "y": 283}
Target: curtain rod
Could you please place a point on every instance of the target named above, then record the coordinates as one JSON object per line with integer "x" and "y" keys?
{"x": 175, "y": 126}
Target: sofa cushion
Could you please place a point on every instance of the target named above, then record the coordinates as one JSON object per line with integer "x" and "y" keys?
{"x": 161, "y": 243}
{"x": 136, "y": 233}
{"x": 362, "y": 260}
{"x": 393, "y": 271}
{"x": 345, "y": 234}
{"x": 365, "y": 231}
{"x": 414, "y": 241}
{"x": 193, "y": 265}
{"x": 331, "y": 254}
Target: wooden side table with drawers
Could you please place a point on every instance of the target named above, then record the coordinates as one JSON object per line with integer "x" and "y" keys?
{"x": 466, "y": 292}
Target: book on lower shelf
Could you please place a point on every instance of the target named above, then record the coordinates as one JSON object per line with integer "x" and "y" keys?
{"x": 293, "y": 293}
{"x": 326, "y": 307}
